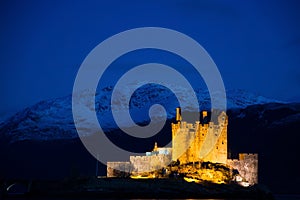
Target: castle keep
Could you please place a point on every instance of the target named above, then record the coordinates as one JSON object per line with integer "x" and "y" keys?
{"x": 203, "y": 141}
{"x": 195, "y": 142}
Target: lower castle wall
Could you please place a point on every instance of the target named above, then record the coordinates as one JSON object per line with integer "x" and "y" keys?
{"x": 247, "y": 165}
{"x": 149, "y": 163}
{"x": 118, "y": 169}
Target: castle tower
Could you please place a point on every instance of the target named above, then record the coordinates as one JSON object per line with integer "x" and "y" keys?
{"x": 200, "y": 142}
{"x": 218, "y": 134}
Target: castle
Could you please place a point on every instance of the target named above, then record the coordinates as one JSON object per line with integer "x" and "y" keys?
{"x": 202, "y": 141}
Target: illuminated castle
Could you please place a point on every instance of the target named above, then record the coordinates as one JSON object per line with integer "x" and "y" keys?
{"x": 200, "y": 141}
{"x": 192, "y": 143}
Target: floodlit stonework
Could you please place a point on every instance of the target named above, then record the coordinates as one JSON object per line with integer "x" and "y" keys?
{"x": 247, "y": 165}
{"x": 118, "y": 169}
{"x": 193, "y": 145}
{"x": 188, "y": 140}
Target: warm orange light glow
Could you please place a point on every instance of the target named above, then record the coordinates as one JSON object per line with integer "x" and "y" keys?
{"x": 199, "y": 181}
{"x": 142, "y": 177}
{"x": 244, "y": 184}
{"x": 191, "y": 180}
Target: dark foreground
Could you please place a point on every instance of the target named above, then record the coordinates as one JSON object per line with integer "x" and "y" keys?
{"x": 126, "y": 188}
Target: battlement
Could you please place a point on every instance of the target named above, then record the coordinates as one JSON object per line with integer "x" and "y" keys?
{"x": 132, "y": 158}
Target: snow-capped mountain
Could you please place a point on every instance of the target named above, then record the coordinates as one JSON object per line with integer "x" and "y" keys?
{"x": 52, "y": 119}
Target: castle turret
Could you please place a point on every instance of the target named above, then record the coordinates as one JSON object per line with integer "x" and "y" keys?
{"x": 178, "y": 114}
{"x": 155, "y": 146}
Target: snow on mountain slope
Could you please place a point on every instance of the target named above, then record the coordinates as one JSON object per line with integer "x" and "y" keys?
{"x": 52, "y": 119}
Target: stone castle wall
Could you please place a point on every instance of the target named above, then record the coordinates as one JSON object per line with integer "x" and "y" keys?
{"x": 247, "y": 165}
{"x": 151, "y": 163}
{"x": 118, "y": 169}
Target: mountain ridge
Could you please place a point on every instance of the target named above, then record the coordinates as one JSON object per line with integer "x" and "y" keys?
{"x": 45, "y": 119}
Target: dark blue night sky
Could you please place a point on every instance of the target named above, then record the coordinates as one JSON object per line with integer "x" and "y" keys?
{"x": 255, "y": 44}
